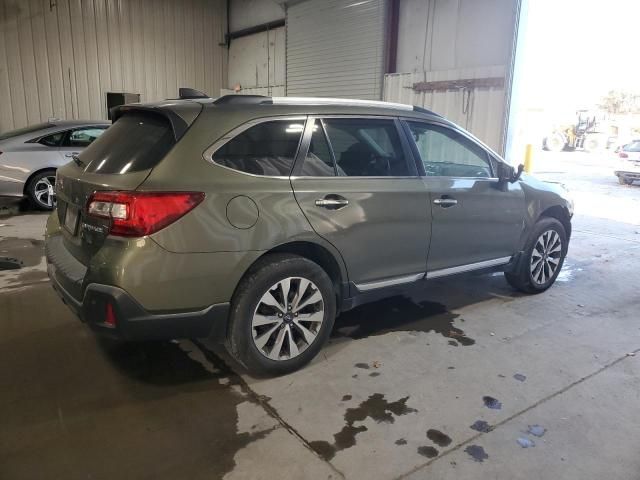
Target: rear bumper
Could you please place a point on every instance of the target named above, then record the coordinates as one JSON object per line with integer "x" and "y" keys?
{"x": 133, "y": 322}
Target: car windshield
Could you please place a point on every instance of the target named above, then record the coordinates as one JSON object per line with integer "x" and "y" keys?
{"x": 25, "y": 130}
{"x": 632, "y": 147}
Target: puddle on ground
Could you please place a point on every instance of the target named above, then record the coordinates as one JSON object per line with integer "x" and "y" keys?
{"x": 525, "y": 442}
{"x": 492, "y": 403}
{"x": 16, "y": 253}
{"x": 568, "y": 272}
{"x": 477, "y": 453}
{"x": 400, "y": 314}
{"x": 481, "y": 426}
{"x": 439, "y": 438}
{"x": 7, "y": 263}
{"x": 375, "y": 407}
{"x": 536, "y": 430}
{"x": 428, "y": 452}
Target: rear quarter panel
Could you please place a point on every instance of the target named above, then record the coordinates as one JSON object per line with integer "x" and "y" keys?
{"x": 19, "y": 163}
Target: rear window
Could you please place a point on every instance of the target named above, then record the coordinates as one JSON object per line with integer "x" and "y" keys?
{"x": 25, "y": 130}
{"x": 135, "y": 142}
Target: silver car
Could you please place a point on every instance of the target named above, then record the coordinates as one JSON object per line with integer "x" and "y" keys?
{"x": 30, "y": 156}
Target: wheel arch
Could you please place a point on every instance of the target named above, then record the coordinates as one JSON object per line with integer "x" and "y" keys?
{"x": 562, "y": 215}
{"x": 319, "y": 254}
{"x": 33, "y": 174}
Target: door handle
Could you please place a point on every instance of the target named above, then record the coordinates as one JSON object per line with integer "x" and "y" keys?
{"x": 445, "y": 202}
{"x": 332, "y": 202}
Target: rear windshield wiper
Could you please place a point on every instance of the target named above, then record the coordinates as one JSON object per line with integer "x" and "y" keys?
{"x": 79, "y": 162}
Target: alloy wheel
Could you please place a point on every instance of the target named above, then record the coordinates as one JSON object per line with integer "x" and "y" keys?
{"x": 545, "y": 257}
{"x": 288, "y": 318}
{"x": 44, "y": 191}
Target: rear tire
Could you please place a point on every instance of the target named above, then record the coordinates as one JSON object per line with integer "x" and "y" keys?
{"x": 593, "y": 143}
{"x": 267, "y": 332}
{"x": 41, "y": 190}
{"x": 542, "y": 258}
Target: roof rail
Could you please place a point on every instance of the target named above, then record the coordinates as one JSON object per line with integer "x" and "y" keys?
{"x": 238, "y": 99}
{"x": 241, "y": 100}
{"x": 186, "y": 93}
{"x": 337, "y": 101}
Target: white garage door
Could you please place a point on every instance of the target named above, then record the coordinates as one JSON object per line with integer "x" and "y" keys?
{"x": 335, "y": 48}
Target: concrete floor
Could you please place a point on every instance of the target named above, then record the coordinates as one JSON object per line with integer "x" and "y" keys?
{"x": 467, "y": 379}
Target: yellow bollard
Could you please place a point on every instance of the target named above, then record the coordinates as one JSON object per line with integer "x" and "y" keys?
{"x": 528, "y": 158}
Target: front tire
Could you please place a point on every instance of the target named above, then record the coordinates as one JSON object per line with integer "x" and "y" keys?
{"x": 281, "y": 314}
{"x": 41, "y": 190}
{"x": 622, "y": 180}
{"x": 542, "y": 258}
{"x": 554, "y": 143}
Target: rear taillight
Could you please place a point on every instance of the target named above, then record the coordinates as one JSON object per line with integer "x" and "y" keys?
{"x": 623, "y": 155}
{"x": 135, "y": 214}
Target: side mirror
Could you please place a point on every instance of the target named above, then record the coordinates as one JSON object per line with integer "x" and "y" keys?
{"x": 506, "y": 173}
{"x": 518, "y": 173}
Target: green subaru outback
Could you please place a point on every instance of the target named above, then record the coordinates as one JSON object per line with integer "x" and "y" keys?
{"x": 256, "y": 221}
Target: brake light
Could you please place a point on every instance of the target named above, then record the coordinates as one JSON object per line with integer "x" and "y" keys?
{"x": 623, "y": 155}
{"x": 135, "y": 214}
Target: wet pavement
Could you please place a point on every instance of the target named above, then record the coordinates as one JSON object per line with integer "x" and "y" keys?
{"x": 466, "y": 379}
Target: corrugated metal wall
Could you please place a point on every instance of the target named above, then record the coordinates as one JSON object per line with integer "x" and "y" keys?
{"x": 456, "y": 40}
{"x": 58, "y": 58}
{"x": 257, "y": 63}
{"x": 482, "y": 111}
{"x": 335, "y": 48}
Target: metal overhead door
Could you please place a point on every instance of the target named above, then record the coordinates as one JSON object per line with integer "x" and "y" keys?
{"x": 335, "y": 48}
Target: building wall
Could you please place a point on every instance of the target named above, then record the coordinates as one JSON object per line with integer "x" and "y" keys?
{"x": 249, "y": 13}
{"x": 336, "y": 48}
{"x": 455, "y": 40}
{"x": 257, "y": 62}
{"x": 59, "y": 58}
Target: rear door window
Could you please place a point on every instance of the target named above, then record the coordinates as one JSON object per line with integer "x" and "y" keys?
{"x": 82, "y": 137}
{"x": 52, "y": 140}
{"x": 136, "y": 141}
{"x": 319, "y": 161}
{"x": 366, "y": 147}
{"x": 268, "y": 148}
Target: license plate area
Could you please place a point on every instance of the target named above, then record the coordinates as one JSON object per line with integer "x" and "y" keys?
{"x": 71, "y": 219}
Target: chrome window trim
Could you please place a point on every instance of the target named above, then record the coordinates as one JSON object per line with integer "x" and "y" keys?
{"x": 468, "y": 267}
{"x": 365, "y": 287}
{"x": 341, "y": 177}
{"x": 231, "y": 134}
{"x": 492, "y": 179}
